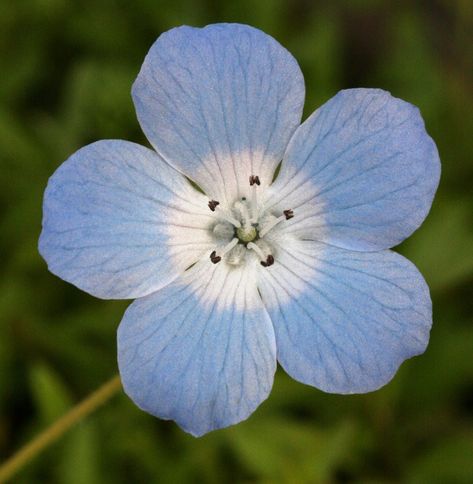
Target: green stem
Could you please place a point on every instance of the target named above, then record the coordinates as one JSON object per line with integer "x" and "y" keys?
{"x": 59, "y": 428}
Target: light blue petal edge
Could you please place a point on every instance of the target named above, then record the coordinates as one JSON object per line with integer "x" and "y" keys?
{"x": 205, "y": 365}
{"x": 351, "y": 319}
{"x": 104, "y": 218}
{"x": 360, "y": 173}
{"x": 220, "y": 103}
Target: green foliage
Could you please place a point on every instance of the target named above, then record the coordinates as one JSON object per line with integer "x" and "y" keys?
{"x": 66, "y": 72}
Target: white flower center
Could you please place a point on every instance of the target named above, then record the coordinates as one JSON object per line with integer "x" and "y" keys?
{"x": 243, "y": 228}
{"x": 246, "y": 234}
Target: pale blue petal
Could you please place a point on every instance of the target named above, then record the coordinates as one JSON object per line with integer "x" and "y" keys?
{"x": 120, "y": 223}
{"x": 345, "y": 320}
{"x": 360, "y": 173}
{"x": 220, "y": 104}
{"x": 201, "y": 351}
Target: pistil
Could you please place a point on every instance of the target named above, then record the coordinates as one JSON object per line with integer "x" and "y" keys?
{"x": 247, "y": 232}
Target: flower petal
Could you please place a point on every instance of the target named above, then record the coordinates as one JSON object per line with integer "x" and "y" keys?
{"x": 360, "y": 173}
{"x": 201, "y": 351}
{"x": 345, "y": 320}
{"x": 220, "y": 104}
{"x": 120, "y": 223}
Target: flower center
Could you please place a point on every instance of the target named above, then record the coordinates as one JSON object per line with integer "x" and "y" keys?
{"x": 243, "y": 229}
{"x": 246, "y": 234}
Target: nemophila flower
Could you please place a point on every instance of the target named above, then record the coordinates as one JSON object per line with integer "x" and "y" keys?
{"x": 248, "y": 271}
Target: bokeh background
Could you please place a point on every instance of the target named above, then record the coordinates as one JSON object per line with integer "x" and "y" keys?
{"x": 66, "y": 68}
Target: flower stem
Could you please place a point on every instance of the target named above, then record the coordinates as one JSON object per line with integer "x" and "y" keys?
{"x": 59, "y": 428}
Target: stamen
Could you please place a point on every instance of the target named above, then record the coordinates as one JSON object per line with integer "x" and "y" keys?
{"x": 217, "y": 258}
{"x": 287, "y": 214}
{"x": 259, "y": 252}
{"x": 265, "y": 259}
{"x": 214, "y": 257}
{"x": 254, "y": 182}
{"x": 213, "y": 205}
{"x": 254, "y": 179}
{"x": 269, "y": 261}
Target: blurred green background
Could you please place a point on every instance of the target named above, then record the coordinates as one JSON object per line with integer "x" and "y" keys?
{"x": 66, "y": 68}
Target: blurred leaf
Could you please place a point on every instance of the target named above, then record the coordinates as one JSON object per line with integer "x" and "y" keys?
{"x": 97, "y": 102}
{"x": 266, "y": 14}
{"x": 443, "y": 247}
{"x": 78, "y": 464}
{"x": 448, "y": 461}
{"x": 318, "y": 51}
{"x": 443, "y": 371}
{"x": 305, "y": 454}
{"x": 415, "y": 77}
{"x": 49, "y": 394}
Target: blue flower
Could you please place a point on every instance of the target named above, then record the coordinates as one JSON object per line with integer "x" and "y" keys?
{"x": 248, "y": 271}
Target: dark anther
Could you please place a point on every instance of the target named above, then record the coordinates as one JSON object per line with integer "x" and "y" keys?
{"x": 254, "y": 179}
{"x": 214, "y": 257}
{"x": 213, "y": 204}
{"x": 269, "y": 261}
{"x": 289, "y": 214}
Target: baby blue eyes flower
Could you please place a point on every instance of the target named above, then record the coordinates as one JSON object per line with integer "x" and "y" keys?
{"x": 253, "y": 272}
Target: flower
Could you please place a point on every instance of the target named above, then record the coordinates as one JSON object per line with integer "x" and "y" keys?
{"x": 248, "y": 271}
